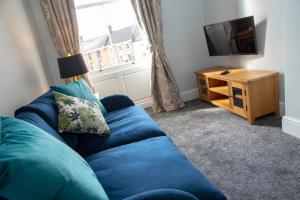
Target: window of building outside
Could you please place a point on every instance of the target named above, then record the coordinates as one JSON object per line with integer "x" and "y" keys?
{"x": 109, "y": 34}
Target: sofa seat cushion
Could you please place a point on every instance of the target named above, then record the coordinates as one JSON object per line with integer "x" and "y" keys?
{"x": 146, "y": 165}
{"x": 126, "y": 125}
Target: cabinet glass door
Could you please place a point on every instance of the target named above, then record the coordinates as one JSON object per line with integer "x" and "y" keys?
{"x": 203, "y": 86}
{"x": 238, "y": 98}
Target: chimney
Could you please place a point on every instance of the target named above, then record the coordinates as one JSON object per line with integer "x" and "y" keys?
{"x": 109, "y": 28}
{"x": 81, "y": 38}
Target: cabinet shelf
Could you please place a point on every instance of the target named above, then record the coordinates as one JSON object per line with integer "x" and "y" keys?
{"x": 223, "y": 103}
{"x": 220, "y": 90}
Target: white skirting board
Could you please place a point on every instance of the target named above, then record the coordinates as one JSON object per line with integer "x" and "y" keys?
{"x": 145, "y": 103}
{"x": 189, "y": 95}
{"x": 186, "y": 96}
{"x": 291, "y": 126}
{"x": 282, "y": 108}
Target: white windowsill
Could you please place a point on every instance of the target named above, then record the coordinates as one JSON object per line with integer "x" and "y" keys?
{"x": 120, "y": 69}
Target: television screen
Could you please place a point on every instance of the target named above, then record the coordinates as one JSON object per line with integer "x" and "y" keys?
{"x": 235, "y": 37}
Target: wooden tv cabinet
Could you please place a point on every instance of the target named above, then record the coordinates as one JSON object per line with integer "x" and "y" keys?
{"x": 245, "y": 92}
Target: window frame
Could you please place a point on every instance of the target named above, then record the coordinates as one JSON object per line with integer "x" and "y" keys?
{"x": 120, "y": 46}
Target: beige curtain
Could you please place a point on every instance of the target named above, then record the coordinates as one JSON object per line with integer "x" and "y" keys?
{"x": 62, "y": 24}
{"x": 165, "y": 93}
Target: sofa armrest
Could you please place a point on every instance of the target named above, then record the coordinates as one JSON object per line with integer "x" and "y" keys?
{"x": 163, "y": 194}
{"x": 116, "y": 102}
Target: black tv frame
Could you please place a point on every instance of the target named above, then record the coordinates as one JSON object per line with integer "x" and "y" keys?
{"x": 233, "y": 54}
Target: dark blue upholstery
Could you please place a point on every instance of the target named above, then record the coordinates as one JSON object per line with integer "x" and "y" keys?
{"x": 150, "y": 164}
{"x": 127, "y": 125}
{"x": 45, "y": 107}
{"x": 137, "y": 161}
{"x": 116, "y": 102}
{"x": 36, "y": 120}
{"x": 163, "y": 194}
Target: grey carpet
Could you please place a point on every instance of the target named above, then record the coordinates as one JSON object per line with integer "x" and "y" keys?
{"x": 246, "y": 162}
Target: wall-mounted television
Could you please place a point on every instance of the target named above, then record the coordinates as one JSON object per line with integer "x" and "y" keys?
{"x": 234, "y": 37}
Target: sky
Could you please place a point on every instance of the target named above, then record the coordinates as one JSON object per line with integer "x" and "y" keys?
{"x": 93, "y": 21}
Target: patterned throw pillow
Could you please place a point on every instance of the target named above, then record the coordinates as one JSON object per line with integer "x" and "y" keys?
{"x": 79, "y": 116}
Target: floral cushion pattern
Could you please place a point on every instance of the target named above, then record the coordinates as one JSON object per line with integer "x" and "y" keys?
{"x": 79, "y": 116}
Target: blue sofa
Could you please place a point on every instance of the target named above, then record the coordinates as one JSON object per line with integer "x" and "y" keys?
{"x": 137, "y": 161}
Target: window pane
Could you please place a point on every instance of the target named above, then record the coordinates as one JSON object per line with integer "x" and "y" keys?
{"x": 120, "y": 15}
{"x": 109, "y": 34}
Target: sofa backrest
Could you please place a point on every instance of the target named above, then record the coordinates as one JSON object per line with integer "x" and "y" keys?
{"x": 43, "y": 113}
{"x": 36, "y": 120}
{"x": 45, "y": 107}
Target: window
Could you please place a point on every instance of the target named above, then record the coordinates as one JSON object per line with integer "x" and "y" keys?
{"x": 129, "y": 57}
{"x": 108, "y": 28}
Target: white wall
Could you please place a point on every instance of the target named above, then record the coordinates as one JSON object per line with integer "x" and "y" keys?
{"x": 184, "y": 40}
{"x": 291, "y": 28}
{"x": 22, "y": 74}
{"x": 51, "y": 54}
{"x": 218, "y": 11}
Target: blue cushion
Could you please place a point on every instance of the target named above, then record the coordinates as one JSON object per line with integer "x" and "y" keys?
{"x": 80, "y": 90}
{"x": 36, "y": 120}
{"x": 33, "y": 118}
{"x": 127, "y": 125}
{"x": 150, "y": 164}
{"x": 45, "y": 107}
{"x": 116, "y": 102}
{"x": 35, "y": 165}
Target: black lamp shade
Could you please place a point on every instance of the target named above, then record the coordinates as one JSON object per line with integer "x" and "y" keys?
{"x": 71, "y": 66}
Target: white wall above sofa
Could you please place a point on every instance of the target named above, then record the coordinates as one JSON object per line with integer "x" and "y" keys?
{"x": 22, "y": 71}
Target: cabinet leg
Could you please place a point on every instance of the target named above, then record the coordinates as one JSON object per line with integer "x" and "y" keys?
{"x": 276, "y": 92}
{"x": 277, "y": 110}
{"x": 251, "y": 120}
